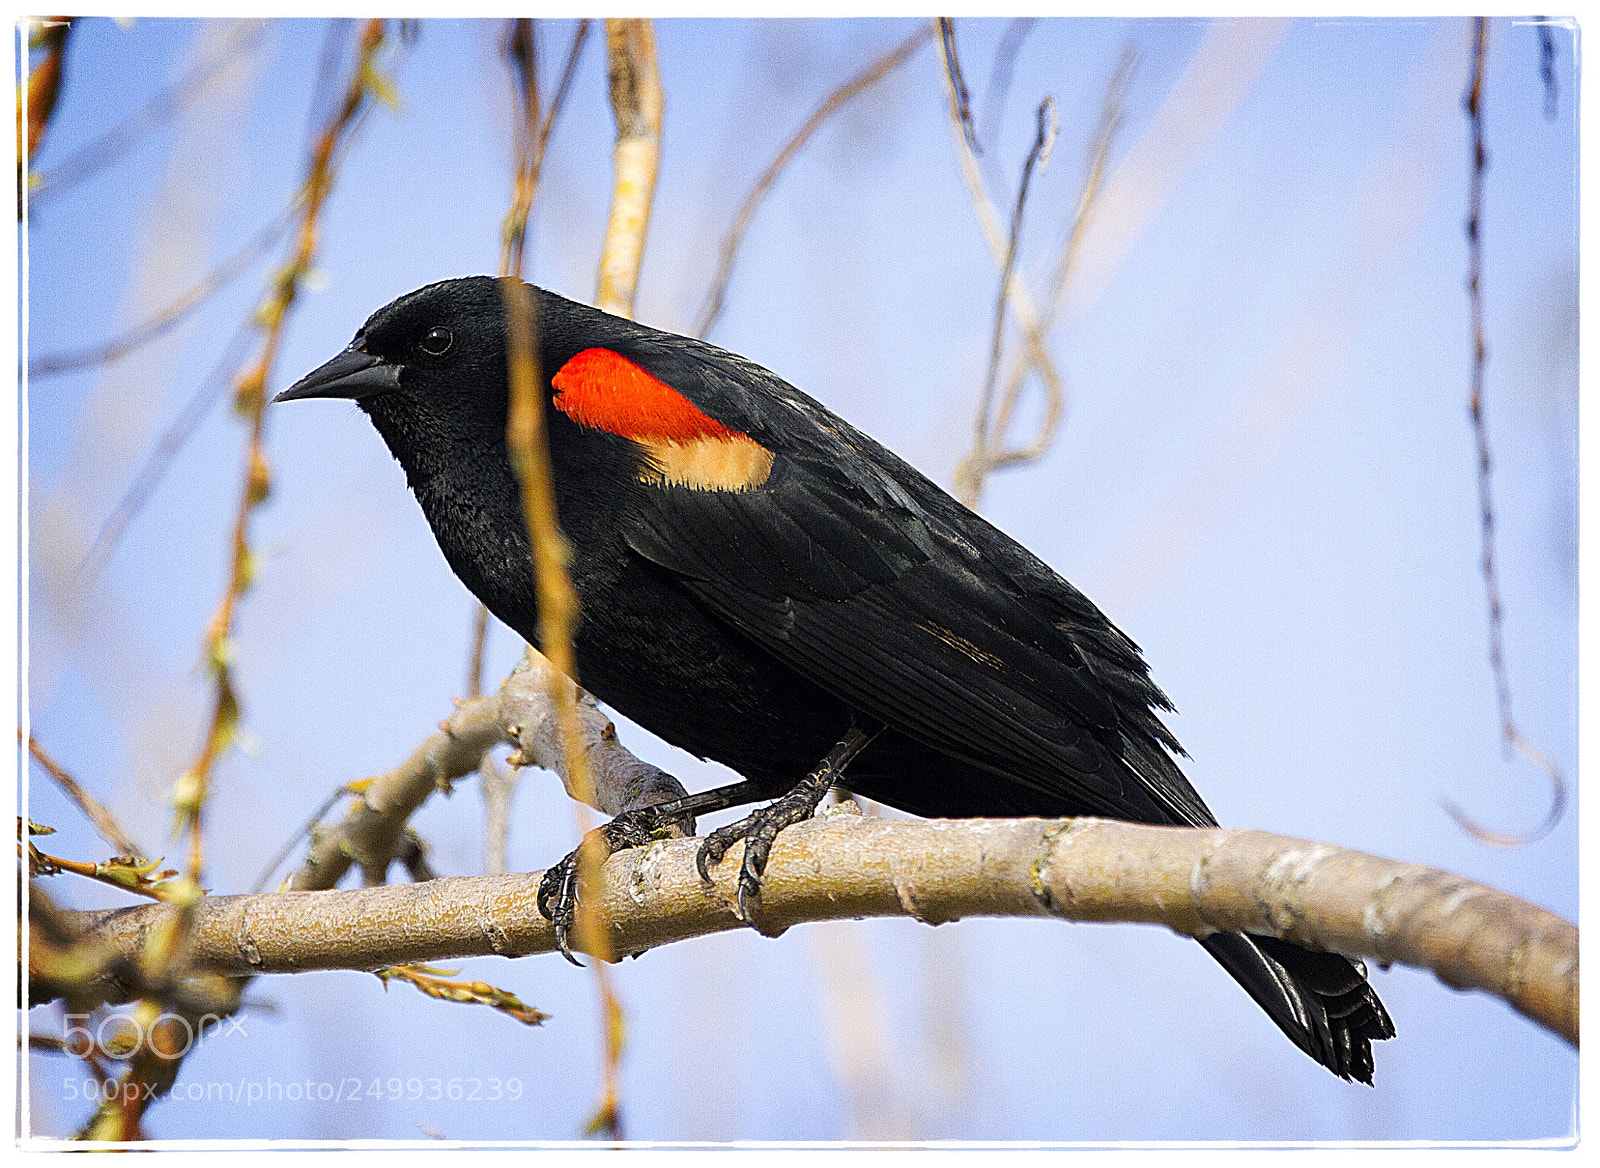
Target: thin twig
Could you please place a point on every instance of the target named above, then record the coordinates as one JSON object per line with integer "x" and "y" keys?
{"x": 531, "y": 145}
{"x": 1096, "y": 167}
{"x": 532, "y": 139}
{"x": 250, "y": 398}
{"x": 334, "y": 39}
{"x": 433, "y": 983}
{"x": 521, "y": 50}
{"x": 1547, "y": 67}
{"x": 207, "y": 393}
{"x": 1005, "y": 60}
{"x": 294, "y": 841}
{"x": 150, "y": 1072}
{"x": 41, "y": 93}
{"x": 174, "y": 314}
{"x": 961, "y": 100}
{"x": 711, "y": 307}
{"x": 90, "y": 1054}
{"x": 98, "y": 813}
{"x": 1022, "y": 305}
{"x": 976, "y": 466}
{"x": 638, "y": 105}
{"x": 156, "y": 112}
{"x": 1113, "y": 106}
{"x": 558, "y": 614}
{"x": 1515, "y": 740}
{"x": 529, "y": 156}
{"x": 130, "y": 874}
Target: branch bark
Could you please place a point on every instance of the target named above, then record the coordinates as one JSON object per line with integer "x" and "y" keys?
{"x": 637, "y": 101}
{"x": 845, "y": 866}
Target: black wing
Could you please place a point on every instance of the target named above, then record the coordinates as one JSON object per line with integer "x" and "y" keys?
{"x": 860, "y": 574}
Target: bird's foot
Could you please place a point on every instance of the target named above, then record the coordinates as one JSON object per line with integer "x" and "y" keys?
{"x": 558, "y": 890}
{"x": 758, "y": 830}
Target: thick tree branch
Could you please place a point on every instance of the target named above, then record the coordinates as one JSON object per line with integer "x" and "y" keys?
{"x": 845, "y": 866}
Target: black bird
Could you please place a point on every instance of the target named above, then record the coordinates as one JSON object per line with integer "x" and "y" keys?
{"x": 764, "y": 585}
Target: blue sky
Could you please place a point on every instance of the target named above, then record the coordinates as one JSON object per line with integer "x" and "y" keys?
{"x": 1265, "y": 475}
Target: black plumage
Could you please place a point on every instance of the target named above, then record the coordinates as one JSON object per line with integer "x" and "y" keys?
{"x": 772, "y": 596}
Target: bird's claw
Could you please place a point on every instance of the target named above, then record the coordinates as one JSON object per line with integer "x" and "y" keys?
{"x": 558, "y": 899}
{"x": 758, "y": 830}
{"x": 558, "y": 889}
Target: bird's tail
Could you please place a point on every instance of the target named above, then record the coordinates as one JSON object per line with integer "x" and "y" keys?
{"x": 1320, "y": 1000}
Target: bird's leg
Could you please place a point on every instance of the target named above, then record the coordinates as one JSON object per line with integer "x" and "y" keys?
{"x": 558, "y": 890}
{"x": 760, "y": 828}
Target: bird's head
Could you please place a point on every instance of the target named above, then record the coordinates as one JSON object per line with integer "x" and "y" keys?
{"x": 430, "y": 370}
{"x": 435, "y": 357}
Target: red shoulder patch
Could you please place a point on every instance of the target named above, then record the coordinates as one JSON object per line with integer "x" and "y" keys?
{"x": 606, "y": 391}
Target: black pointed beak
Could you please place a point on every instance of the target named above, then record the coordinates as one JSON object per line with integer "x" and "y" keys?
{"x": 352, "y": 374}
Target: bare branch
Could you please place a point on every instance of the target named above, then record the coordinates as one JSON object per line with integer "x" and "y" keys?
{"x": 521, "y": 50}
{"x": 960, "y": 99}
{"x": 987, "y": 441}
{"x": 129, "y": 873}
{"x": 520, "y": 714}
{"x": 174, "y": 314}
{"x": 637, "y": 101}
{"x": 99, "y": 814}
{"x": 1547, "y": 69}
{"x": 161, "y": 454}
{"x": 558, "y": 616}
{"x": 1005, "y": 60}
{"x": 711, "y": 308}
{"x": 156, "y": 112}
{"x": 532, "y": 132}
{"x": 1021, "y": 302}
{"x": 1096, "y": 165}
{"x": 310, "y": 829}
{"x": 530, "y": 151}
{"x": 1195, "y": 881}
{"x": 191, "y": 790}
{"x": 1515, "y": 739}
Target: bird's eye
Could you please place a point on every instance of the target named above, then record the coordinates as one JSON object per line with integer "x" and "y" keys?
{"x": 436, "y": 342}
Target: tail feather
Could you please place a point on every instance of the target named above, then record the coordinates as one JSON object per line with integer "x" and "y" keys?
{"x": 1320, "y": 1000}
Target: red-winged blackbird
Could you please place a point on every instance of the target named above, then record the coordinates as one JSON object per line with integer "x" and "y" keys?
{"x": 764, "y": 585}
